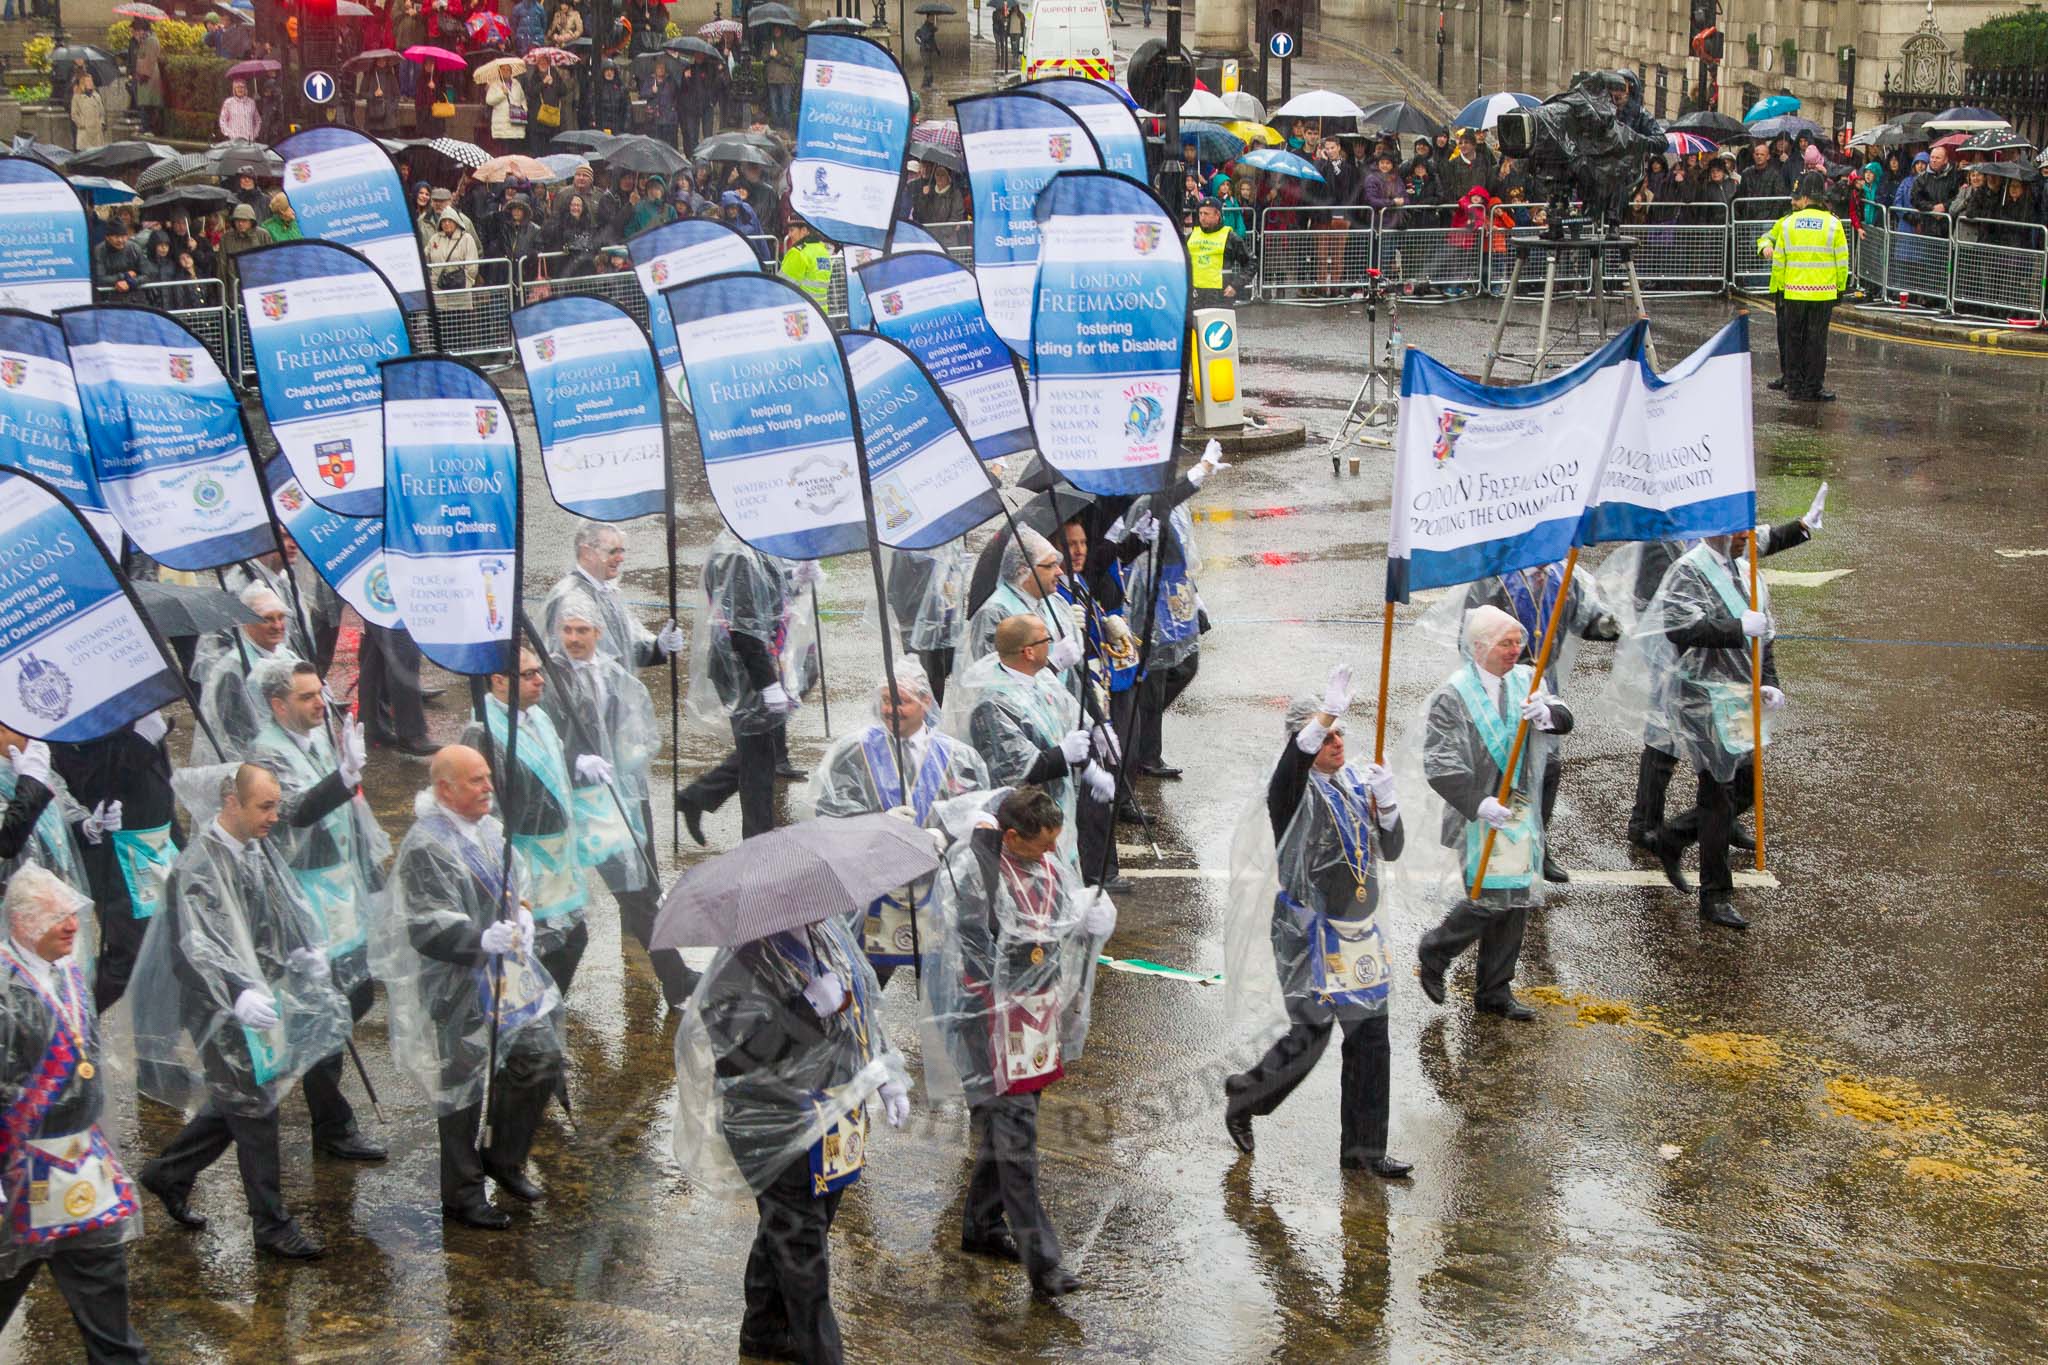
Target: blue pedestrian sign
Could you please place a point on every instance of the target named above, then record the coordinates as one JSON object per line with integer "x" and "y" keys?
{"x": 319, "y": 87}
{"x": 1217, "y": 335}
{"x": 1281, "y": 45}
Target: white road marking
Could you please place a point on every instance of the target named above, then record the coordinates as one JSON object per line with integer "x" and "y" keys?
{"x": 1633, "y": 876}
{"x": 2019, "y": 554}
{"x": 1803, "y": 578}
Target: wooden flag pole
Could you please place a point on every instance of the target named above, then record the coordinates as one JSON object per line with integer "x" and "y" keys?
{"x": 1507, "y": 774}
{"x": 1756, "y": 709}
{"x": 1379, "y": 739}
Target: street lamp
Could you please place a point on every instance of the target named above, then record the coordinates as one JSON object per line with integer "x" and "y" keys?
{"x": 1439, "y": 44}
{"x": 1478, "y": 48}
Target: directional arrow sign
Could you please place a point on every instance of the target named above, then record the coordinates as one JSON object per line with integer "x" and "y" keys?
{"x": 1281, "y": 45}
{"x": 319, "y": 87}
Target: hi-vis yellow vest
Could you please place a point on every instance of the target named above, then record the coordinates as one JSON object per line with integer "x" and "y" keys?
{"x": 1812, "y": 254}
{"x": 1205, "y": 256}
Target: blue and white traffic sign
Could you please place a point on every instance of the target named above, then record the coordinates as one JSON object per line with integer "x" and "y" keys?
{"x": 1217, "y": 335}
{"x": 319, "y": 87}
{"x": 1281, "y": 45}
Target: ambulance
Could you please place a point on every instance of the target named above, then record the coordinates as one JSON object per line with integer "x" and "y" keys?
{"x": 1069, "y": 38}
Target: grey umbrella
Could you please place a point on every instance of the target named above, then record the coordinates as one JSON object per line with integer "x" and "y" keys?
{"x": 642, "y": 155}
{"x": 2006, "y": 170}
{"x": 179, "y": 610}
{"x": 792, "y": 877}
{"x": 761, "y": 16}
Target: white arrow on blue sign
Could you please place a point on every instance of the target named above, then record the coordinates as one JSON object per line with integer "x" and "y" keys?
{"x": 319, "y": 87}
{"x": 1281, "y": 45}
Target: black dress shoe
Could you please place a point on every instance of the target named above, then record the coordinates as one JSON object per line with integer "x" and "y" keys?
{"x": 1740, "y": 838}
{"x": 1386, "y": 1168}
{"x": 1127, "y": 812}
{"x": 1721, "y": 910}
{"x": 175, "y": 1201}
{"x": 999, "y": 1244}
{"x": 1552, "y": 872}
{"x": 1118, "y": 884}
{"x": 1056, "y": 1282}
{"x": 1776, "y": 385}
{"x": 789, "y": 772}
{"x": 478, "y": 1215}
{"x": 516, "y": 1184}
{"x": 1824, "y": 396}
{"x": 1669, "y": 855}
{"x": 1238, "y": 1123}
{"x": 693, "y": 818}
{"x": 293, "y": 1244}
{"x": 421, "y": 747}
{"x": 770, "y": 1348}
{"x": 1513, "y": 1009}
{"x": 1432, "y": 981}
{"x": 353, "y": 1147}
{"x": 1160, "y": 771}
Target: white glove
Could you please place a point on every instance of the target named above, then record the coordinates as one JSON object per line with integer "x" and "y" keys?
{"x": 1495, "y": 814}
{"x": 501, "y": 937}
{"x": 1066, "y": 652}
{"x": 255, "y": 1009}
{"x": 805, "y": 574}
{"x": 1212, "y": 460}
{"x": 105, "y": 818}
{"x": 1310, "y": 740}
{"x": 152, "y": 727}
{"x": 1379, "y": 780}
{"x": 669, "y": 639}
{"x": 826, "y": 995}
{"x": 1811, "y": 521}
{"x": 354, "y": 752}
{"x": 1536, "y": 710}
{"x": 525, "y": 930}
{"x": 939, "y": 841}
{"x": 1774, "y": 699}
{"x": 775, "y": 699}
{"x": 1198, "y": 474}
{"x": 1106, "y": 746}
{"x": 32, "y": 760}
{"x": 592, "y": 768}
{"x": 1755, "y": 624}
{"x": 895, "y": 1103}
{"x": 1098, "y": 921}
{"x": 1146, "y": 527}
{"x": 1116, "y": 532}
{"x": 1101, "y": 781}
{"x": 1074, "y": 748}
{"x": 1337, "y": 691}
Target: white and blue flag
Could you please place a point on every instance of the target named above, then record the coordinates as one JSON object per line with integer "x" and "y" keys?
{"x": 1109, "y": 334}
{"x": 597, "y": 406}
{"x": 774, "y": 412}
{"x": 928, "y": 486}
{"x": 852, "y": 125}
{"x": 77, "y": 660}
{"x": 1014, "y": 144}
{"x": 930, "y": 304}
{"x": 45, "y": 252}
{"x": 673, "y": 254}
{"x": 908, "y": 240}
{"x": 168, "y": 443}
{"x": 451, "y": 512}
{"x": 42, "y": 426}
{"x": 344, "y": 189}
{"x": 347, "y": 552}
{"x": 1488, "y": 480}
{"x": 321, "y": 320}
{"x": 1105, "y": 112}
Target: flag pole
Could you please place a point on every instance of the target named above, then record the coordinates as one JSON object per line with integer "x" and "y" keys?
{"x": 818, "y": 634}
{"x": 1379, "y": 739}
{"x": 1507, "y": 774}
{"x": 1756, "y": 709}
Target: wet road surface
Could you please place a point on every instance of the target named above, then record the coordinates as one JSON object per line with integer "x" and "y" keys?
{"x": 1818, "y": 1140}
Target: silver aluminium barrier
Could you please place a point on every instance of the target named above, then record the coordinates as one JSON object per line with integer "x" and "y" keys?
{"x": 1303, "y": 253}
{"x": 1688, "y": 255}
{"x": 1873, "y": 249}
{"x": 201, "y": 305}
{"x": 1917, "y": 258}
{"x": 540, "y": 278}
{"x": 1750, "y": 219}
{"x": 1420, "y": 248}
{"x": 473, "y": 313}
{"x": 1998, "y": 269}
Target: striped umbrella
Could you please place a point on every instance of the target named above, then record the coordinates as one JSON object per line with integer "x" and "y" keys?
{"x": 720, "y": 28}
{"x": 1689, "y": 144}
{"x": 461, "y": 153}
{"x": 943, "y": 132}
{"x": 164, "y": 172}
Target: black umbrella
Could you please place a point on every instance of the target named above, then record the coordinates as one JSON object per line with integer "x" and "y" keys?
{"x": 642, "y": 156}
{"x": 691, "y": 46}
{"x": 245, "y": 158}
{"x": 1399, "y": 118}
{"x": 1044, "y": 514}
{"x": 179, "y": 610}
{"x": 934, "y": 7}
{"x": 52, "y": 156}
{"x": 195, "y": 199}
{"x": 164, "y": 172}
{"x": 581, "y": 139}
{"x": 1891, "y": 135}
{"x": 117, "y": 157}
{"x": 748, "y": 148}
{"x": 1914, "y": 120}
{"x": 2007, "y": 170}
{"x": 762, "y": 16}
{"x": 1709, "y": 123}
{"x": 937, "y": 154}
{"x": 1996, "y": 140}
{"x": 103, "y": 68}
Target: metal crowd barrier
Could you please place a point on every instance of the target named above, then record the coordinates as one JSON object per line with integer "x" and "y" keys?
{"x": 1421, "y": 247}
{"x": 1917, "y": 257}
{"x": 202, "y": 306}
{"x": 475, "y": 319}
{"x": 1306, "y": 256}
{"x": 1686, "y": 256}
{"x": 1750, "y": 219}
{"x": 540, "y": 278}
{"x": 1999, "y": 268}
{"x": 1873, "y": 248}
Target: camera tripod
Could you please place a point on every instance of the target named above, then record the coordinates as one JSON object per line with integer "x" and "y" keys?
{"x": 1370, "y": 418}
{"x": 1585, "y": 334}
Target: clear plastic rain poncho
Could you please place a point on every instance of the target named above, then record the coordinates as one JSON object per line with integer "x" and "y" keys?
{"x": 746, "y": 592}
{"x": 427, "y": 949}
{"x": 1306, "y": 936}
{"x": 61, "y": 1186}
{"x": 232, "y": 920}
{"x": 53, "y": 844}
{"x": 601, "y": 708}
{"x": 1009, "y": 976}
{"x": 337, "y": 855}
{"x": 1009, "y": 721}
{"x": 1175, "y": 610}
{"x": 1692, "y": 660}
{"x": 625, "y": 641}
{"x": 1020, "y": 552}
{"x": 537, "y": 803}
{"x": 1528, "y": 596}
{"x": 1629, "y": 579}
{"x": 928, "y": 594}
{"x": 1460, "y": 745}
{"x": 229, "y": 701}
{"x": 859, "y": 776}
{"x": 762, "y": 1081}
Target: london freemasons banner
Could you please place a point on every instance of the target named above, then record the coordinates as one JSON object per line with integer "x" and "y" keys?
{"x": 673, "y": 254}
{"x": 1101, "y": 108}
{"x": 348, "y": 552}
{"x": 597, "y": 406}
{"x": 42, "y": 426}
{"x": 321, "y": 320}
{"x": 930, "y": 305}
{"x": 852, "y": 125}
{"x": 907, "y": 240}
{"x": 928, "y": 485}
{"x": 45, "y": 251}
{"x": 344, "y": 189}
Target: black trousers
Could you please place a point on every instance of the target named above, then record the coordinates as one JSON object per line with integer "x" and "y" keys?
{"x": 525, "y": 1085}
{"x": 388, "y": 685}
{"x": 637, "y": 910}
{"x": 200, "y": 1143}
{"x": 789, "y": 1270}
{"x": 1711, "y": 823}
{"x": 749, "y": 770}
{"x": 1496, "y": 928}
{"x": 333, "y": 1118}
{"x": 326, "y": 636}
{"x": 937, "y": 664}
{"x": 562, "y": 959}
{"x": 1365, "y": 1086}
{"x": 94, "y": 1283}
{"x": 1806, "y": 344}
{"x": 1095, "y": 833}
{"x": 1778, "y": 317}
{"x": 1159, "y": 689}
{"x": 1004, "y": 1185}
{"x": 1653, "y": 780}
{"x": 121, "y": 937}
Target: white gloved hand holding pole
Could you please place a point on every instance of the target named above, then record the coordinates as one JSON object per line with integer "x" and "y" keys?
{"x": 1755, "y": 624}
{"x": 32, "y": 759}
{"x": 777, "y": 700}
{"x": 593, "y": 769}
{"x": 1814, "y": 513}
{"x": 1536, "y": 710}
{"x": 1101, "y": 782}
{"x": 354, "y": 752}
{"x": 1098, "y": 921}
{"x": 1212, "y": 460}
{"x": 1146, "y": 527}
{"x": 152, "y": 727}
{"x": 104, "y": 819}
{"x": 826, "y": 995}
{"x": 669, "y": 639}
{"x": 255, "y": 1009}
{"x": 1495, "y": 814}
{"x": 895, "y": 1103}
{"x": 1074, "y": 747}
{"x": 1774, "y": 699}
{"x": 1107, "y": 748}
{"x": 1065, "y": 653}
{"x": 806, "y": 574}
{"x": 500, "y": 937}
